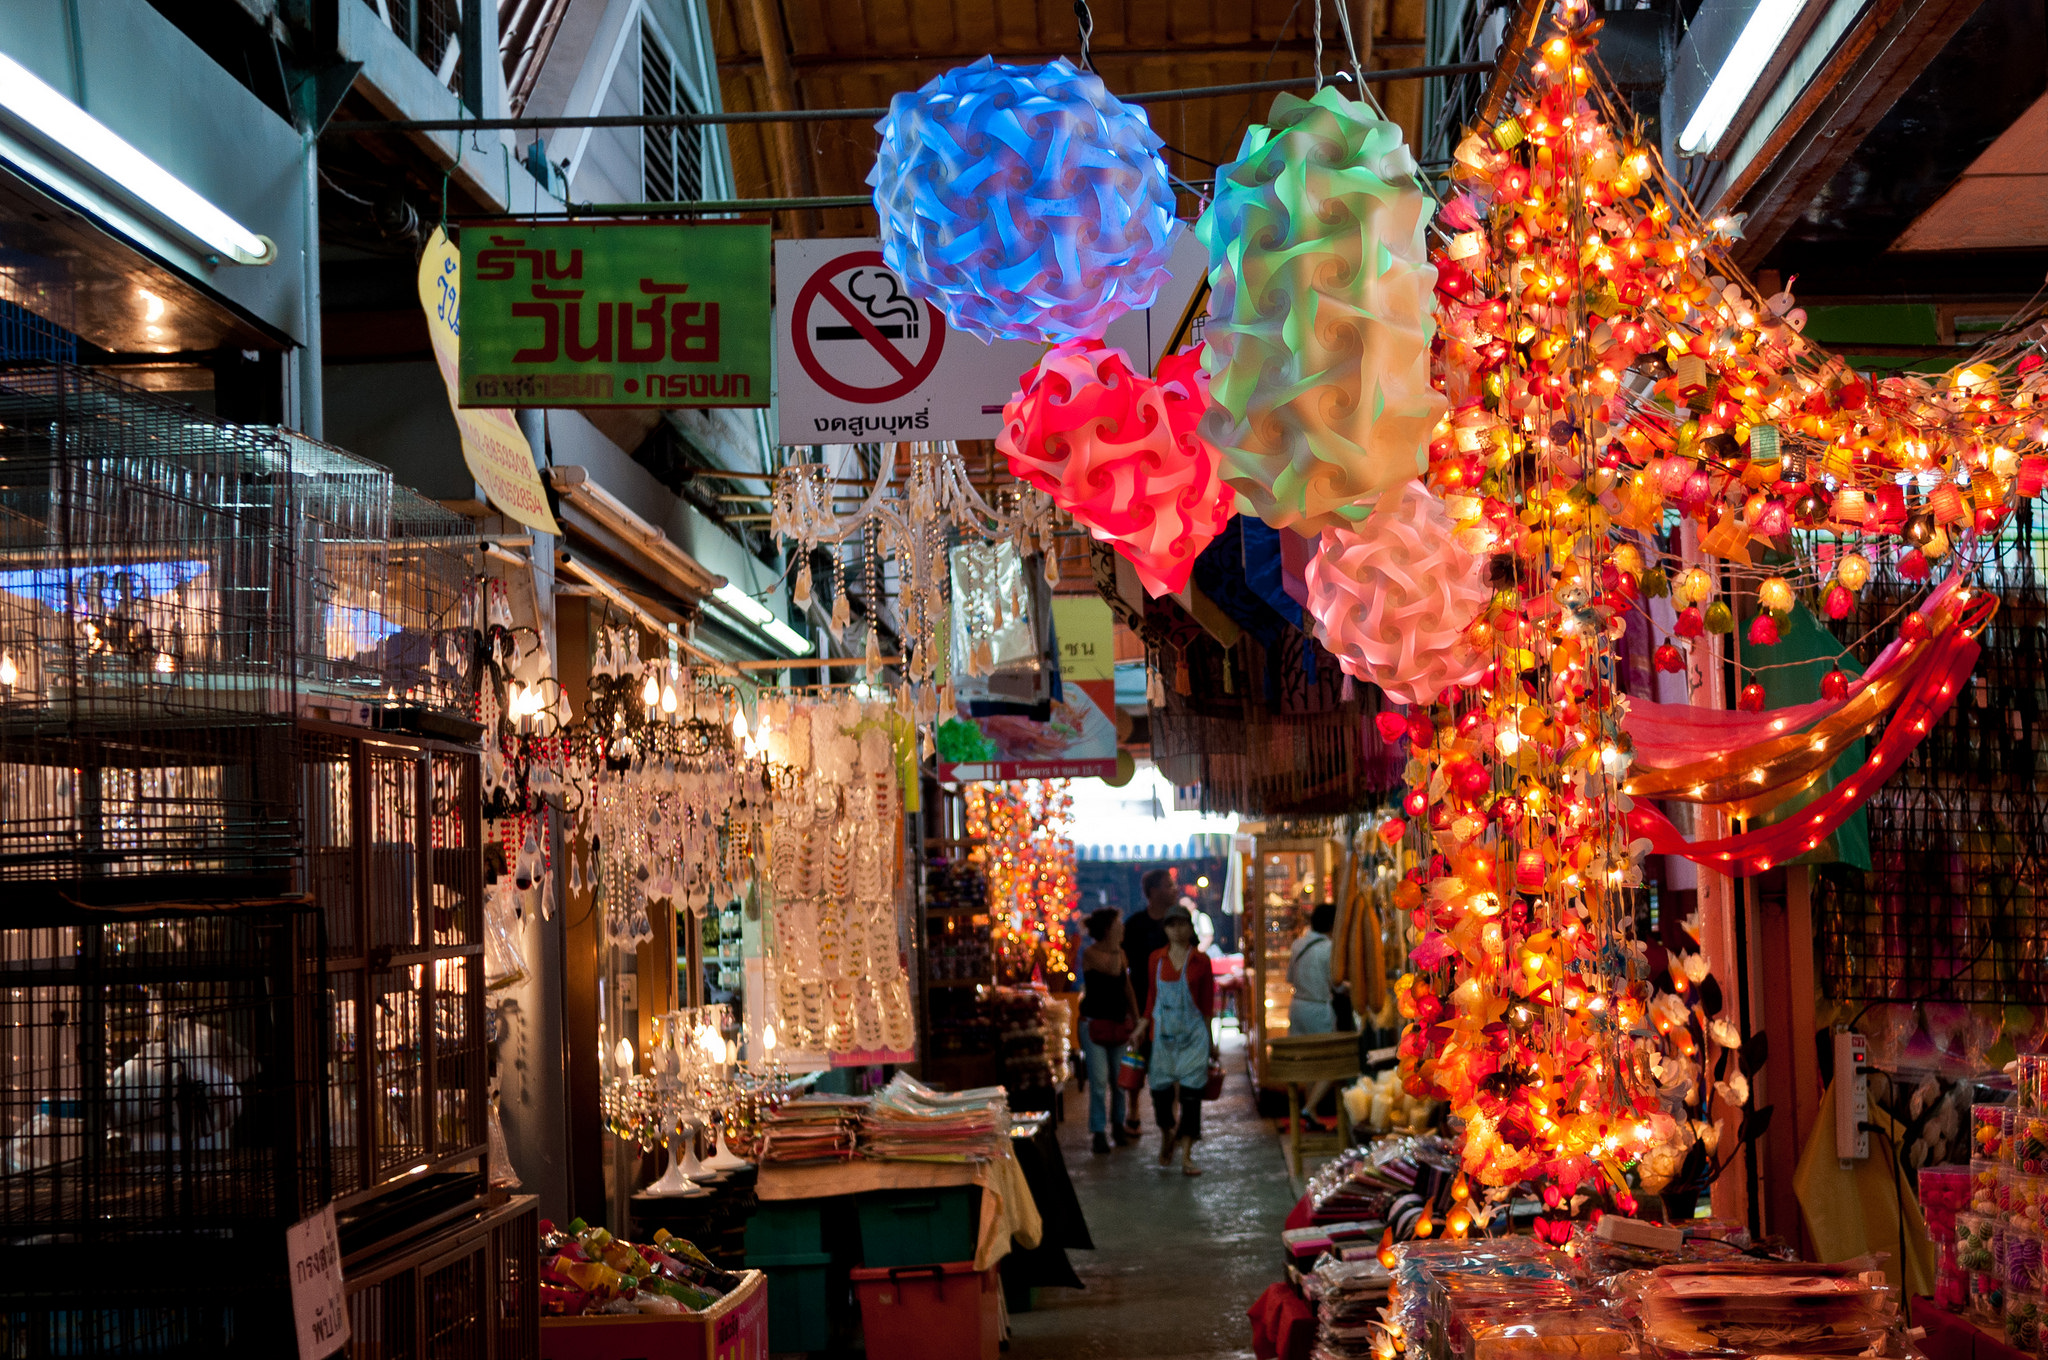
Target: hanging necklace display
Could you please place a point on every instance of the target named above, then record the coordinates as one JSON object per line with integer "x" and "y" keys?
{"x": 839, "y": 984}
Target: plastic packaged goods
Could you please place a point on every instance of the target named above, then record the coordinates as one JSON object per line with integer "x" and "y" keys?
{"x": 1987, "y": 1294}
{"x": 1977, "y": 1246}
{"x": 585, "y": 1271}
{"x": 1944, "y": 1192}
{"x": 2022, "y": 1317}
{"x": 1751, "y": 1307}
{"x": 2023, "y": 1199}
{"x": 1988, "y": 1131}
{"x": 1983, "y": 1186}
{"x": 1348, "y": 1296}
{"x": 2029, "y": 1142}
{"x": 1575, "y": 1333}
{"x": 2031, "y": 1078}
{"x": 1951, "y": 1281}
{"x": 2023, "y": 1264}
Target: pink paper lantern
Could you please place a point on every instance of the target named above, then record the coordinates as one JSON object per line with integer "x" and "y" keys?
{"x": 1118, "y": 451}
{"x": 1393, "y": 595}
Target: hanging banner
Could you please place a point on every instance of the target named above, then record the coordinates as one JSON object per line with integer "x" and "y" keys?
{"x": 650, "y": 314}
{"x": 493, "y": 445}
{"x": 1078, "y": 740}
{"x": 858, "y": 359}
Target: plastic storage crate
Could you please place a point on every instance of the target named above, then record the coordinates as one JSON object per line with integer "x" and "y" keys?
{"x": 799, "y": 1316}
{"x": 919, "y": 1227}
{"x": 938, "y": 1312}
{"x": 785, "y": 1229}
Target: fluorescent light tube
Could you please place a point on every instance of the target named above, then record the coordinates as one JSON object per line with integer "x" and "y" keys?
{"x": 744, "y": 605}
{"x": 98, "y": 146}
{"x": 1758, "y": 42}
{"x": 798, "y": 644}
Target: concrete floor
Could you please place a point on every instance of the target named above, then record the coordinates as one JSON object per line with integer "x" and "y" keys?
{"x": 1177, "y": 1260}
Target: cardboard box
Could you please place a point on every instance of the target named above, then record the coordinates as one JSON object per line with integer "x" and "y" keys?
{"x": 734, "y": 1328}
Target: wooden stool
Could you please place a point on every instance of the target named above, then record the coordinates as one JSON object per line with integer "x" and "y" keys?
{"x": 1298, "y": 1060}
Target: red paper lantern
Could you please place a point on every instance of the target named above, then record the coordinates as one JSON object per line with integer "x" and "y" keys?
{"x": 1531, "y": 870}
{"x": 1669, "y": 659}
{"x": 1119, "y": 453}
{"x": 1763, "y": 631}
{"x": 1839, "y": 602}
{"x": 1751, "y": 700}
{"x": 1834, "y": 685}
{"x": 1914, "y": 627}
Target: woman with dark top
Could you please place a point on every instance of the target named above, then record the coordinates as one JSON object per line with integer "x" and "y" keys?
{"x": 1181, "y": 1005}
{"x": 1109, "y": 1013}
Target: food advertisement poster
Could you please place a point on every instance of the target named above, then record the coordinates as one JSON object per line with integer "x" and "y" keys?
{"x": 1078, "y": 739}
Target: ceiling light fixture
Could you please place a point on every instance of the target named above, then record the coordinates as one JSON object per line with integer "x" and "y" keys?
{"x": 1758, "y": 42}
{"x": 85, "y": 137}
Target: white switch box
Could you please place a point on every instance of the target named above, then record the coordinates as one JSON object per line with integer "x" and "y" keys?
{"x": 1852, "y": 1097}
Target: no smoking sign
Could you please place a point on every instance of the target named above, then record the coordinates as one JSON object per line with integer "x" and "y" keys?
{"x": 859, "y": 336}
{"x": 859, "y": 360}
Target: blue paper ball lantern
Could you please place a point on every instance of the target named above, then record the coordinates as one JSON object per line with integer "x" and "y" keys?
{"x": 1025, "y": 202}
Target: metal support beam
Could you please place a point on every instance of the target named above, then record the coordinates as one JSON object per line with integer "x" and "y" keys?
{"x": 366, "y": 127}
{"x": 1843, "y": 103}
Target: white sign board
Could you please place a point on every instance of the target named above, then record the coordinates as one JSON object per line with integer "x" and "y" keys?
{"x": 857, "y": 360}
{"x": 318, "y": 1303}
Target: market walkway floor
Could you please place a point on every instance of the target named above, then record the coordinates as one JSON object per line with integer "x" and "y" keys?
{"x": 1177, "y": 1260}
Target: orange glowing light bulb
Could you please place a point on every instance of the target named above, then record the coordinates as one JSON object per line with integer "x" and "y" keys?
{"x": 1425, "y": 1225}
{"x": 1387, "y": 1248}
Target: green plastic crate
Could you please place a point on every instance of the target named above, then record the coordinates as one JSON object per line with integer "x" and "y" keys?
{"x": 796, "y": 1229}
{"x": 797, "y": 1316}
{"x": 919, "y": 1227}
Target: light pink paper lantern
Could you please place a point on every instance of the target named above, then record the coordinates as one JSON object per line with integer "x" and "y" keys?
{"x": 1393, "y": 596}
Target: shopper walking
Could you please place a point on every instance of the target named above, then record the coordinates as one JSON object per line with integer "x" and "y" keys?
{"x": 1312, "y": 1010}
{"x": 1144, "y": 935}
{"x": 1109, "y": 1020}
{"x": 1183, "y": 999}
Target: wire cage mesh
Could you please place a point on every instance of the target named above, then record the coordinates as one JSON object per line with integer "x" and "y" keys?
{"x": 160, "y": 1071}
{"x": 1955, "y": 904}
{"x": 387, "y": 579}
{"x": 145, "y": 653}
{"x": 394, "y": 861}
{"x": 170, "y": 586}
{"x": 470, "y": 1291}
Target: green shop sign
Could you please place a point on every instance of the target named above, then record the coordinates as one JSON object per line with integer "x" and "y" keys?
{"x": 662, "y": 314}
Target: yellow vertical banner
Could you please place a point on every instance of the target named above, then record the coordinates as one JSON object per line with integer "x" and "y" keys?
{"x": 493, "y": 445}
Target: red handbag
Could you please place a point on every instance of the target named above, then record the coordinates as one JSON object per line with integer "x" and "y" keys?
{"x": 1214, "y": 1089}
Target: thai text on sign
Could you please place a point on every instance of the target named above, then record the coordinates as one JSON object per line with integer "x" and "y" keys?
{"x": 659, "y": 314}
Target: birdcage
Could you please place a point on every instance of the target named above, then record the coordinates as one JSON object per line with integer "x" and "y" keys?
{"x": 159, "y": 1070}
{"x": 471, "y": 1290}
{"x": 394, "y": 861}
{"x": 145, "y": 649}
{"x": 170, "y": 588}
{"x": 387, "y": 582}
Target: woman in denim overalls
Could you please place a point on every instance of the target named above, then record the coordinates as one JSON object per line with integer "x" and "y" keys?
{"x": 1182, "y": 1002}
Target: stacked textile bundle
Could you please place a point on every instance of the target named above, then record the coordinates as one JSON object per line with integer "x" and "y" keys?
{"x": 1387, "y": 1182}
{"x": 813, "y": 1129}
{"x": 910, "y": 1122}
{"x": 1349, "y": 1297}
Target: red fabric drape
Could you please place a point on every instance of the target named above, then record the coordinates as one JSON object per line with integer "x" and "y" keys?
{"x": 1752, "y": 852}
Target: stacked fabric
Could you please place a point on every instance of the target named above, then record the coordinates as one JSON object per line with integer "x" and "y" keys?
{"x": 910, "y": 1122}
{"x": 1349, "y": 1297}
{"x": 814, "y": 1129}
